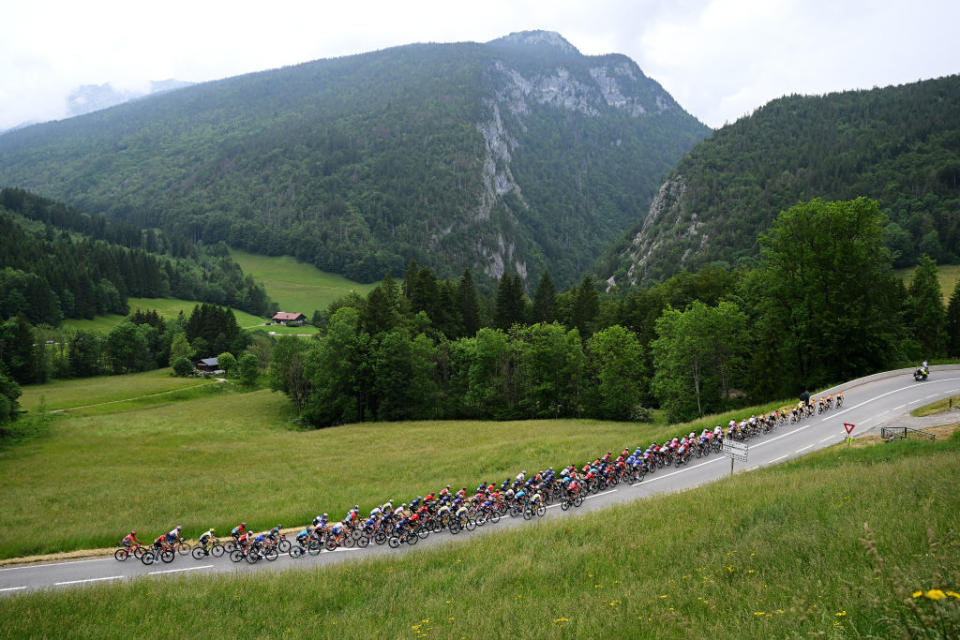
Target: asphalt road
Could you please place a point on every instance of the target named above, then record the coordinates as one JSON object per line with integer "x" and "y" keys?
{"x": 869, "y": 403}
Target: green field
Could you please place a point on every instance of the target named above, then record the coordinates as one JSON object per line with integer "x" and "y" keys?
{"x": 947, "y": 274}
{"x": 817, "y": 547}
{"x": 169, "y": 308}
{"x": 297, "y": 286}
{"x": 63, "y": 394}
{"x": 233, "y": 456}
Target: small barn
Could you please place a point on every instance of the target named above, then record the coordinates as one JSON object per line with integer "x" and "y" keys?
{"x": 289, "y": 319}
{"x": 208, "y": 365}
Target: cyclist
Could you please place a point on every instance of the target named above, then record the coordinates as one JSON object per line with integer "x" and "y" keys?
{"x": 239, "y": 530}
{"x": 320, "y": 522}
{"x": 206, "y": 537}
{"x": 159, "y": 542}
{"x": 131, "y": 539}
{"x": 173, "y": 536}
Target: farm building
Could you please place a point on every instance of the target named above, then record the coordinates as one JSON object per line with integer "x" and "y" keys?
{"x": 289, "y": 319}
{"x": 208, "y": 365}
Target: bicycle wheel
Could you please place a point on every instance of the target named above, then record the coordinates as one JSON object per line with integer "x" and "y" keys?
{"x": 296, "y": 551}
{"x": 138, "y": 552}
{"x": 527, "y": 513}
{"x": 393, "y": 542}
{"x": 454, "y": 528}
{"x": 253, "y": 557}
{"x": 380, "y": 537}
{"x": 541, "y": 511}
{"x": 148, "y": 558}
{"x": 284, "y": 545}
{"x": 349, "y": 541}
{"x": 314, "y": 547}
{"x": 271, "y": 553}
{"x": 217, "y": 550}
{"x": 167, "y": 556}
{"x": 198, "y": 553}
{"x": 411, "y": 538}
{"x": 330, "y": 544}
{"x": 495, "y": 516}
{"x": 363, "y": 541}
{"x": 183, "y": 548}
{"x": 564, "y": 505}
{"x": 578, "y": 501}
{"x": 236, "y": 555}
{"x": 423, "y": 533}
{"x": 471, "y": 524}
{"x": 121, "y": 554}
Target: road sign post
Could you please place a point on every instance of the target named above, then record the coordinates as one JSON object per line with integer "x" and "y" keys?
{"x": 735, "y": 451}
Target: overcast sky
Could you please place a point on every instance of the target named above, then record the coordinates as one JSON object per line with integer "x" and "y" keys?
{"x": 720, "y": 59}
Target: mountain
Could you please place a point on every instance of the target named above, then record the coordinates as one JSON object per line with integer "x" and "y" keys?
{"x": 520, "y": 154}
{"x": 94, "y": 97}
{"x": 898, "y": 145}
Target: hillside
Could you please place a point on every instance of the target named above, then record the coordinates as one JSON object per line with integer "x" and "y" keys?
{"x": 898, "y": 145}
{"x": 519, "y": 154}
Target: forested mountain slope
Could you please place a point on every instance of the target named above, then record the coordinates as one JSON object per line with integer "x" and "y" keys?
{"x": 520, "y": 155}
{"x": 898, "y": 145}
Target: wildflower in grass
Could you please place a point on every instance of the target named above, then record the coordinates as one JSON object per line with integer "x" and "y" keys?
{"x": 917, "y": 594}
{"x": 953, "y": 594}
{"x": 934, "y": 594}
{"x": 614, "y": 603}
{"x": 561, "y": 621}
{"x": 759, "y": 613}
{"x": 664, "y": 596}
{"x": 840, "y": 614}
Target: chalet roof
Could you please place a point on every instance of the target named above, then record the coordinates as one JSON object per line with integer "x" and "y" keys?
{"x": 283, "y": 315}
{"x": 210, "y": 362}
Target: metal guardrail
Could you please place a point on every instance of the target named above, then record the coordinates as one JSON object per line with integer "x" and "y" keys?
{"x": 902, "y": 433}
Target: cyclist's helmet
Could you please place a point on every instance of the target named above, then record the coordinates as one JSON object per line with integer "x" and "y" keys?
{"x": 133, "y": 533}
{"x": 179, "y": 527}
{"x": 212, "y": 529}
{"x": 357, "y": 507}
{"x": 279, "y": 526}
{"x": 324, "y": 515}
{"x": 243, "y": 524}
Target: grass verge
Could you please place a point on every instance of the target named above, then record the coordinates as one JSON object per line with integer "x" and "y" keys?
{"x": 940, "y": 406}
{"x": 816, "y": 548}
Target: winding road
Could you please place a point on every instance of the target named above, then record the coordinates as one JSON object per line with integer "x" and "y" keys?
{"x": 870, "y": 403}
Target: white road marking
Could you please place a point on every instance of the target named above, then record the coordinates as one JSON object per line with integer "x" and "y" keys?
{"x": 52, "y": 564}
{"x": 827, "y": 439}
{"x": 804, "y": 449}
{"x": 206, "y": 566}
{"x": 344, "y": 549}
{"x": 88, "y": 580}
{"x": 778, "y": 459}
{"x": 12, "y": 588}
{"x": 883, "y": 395}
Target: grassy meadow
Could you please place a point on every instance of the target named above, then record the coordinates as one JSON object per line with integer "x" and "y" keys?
{"x": 818, "y": 547}
{"x": 297, "y": 286}
{"x": 229, "y": 456}
{"x": 64, "y": 394}
{"x": 169, "y": 308}
{"x": 947, "y": 274}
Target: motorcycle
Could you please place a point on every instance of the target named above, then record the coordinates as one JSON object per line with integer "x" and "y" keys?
{"x": 921, "y": 374}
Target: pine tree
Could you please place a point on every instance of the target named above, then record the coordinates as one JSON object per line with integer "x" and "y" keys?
{"x": 467, "y": 303}
{"x": 545, "y": 300}
{"x": 510, "y": 306}
{"x": 586, "y": 306}
{"x": 953, "y": 323}
{"x": 926, "y": 314}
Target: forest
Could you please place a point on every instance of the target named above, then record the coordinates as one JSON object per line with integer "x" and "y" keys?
{"x": 58, "y": 263}
{"x": 822, "y": 306}
{"x": 897, "y": 145}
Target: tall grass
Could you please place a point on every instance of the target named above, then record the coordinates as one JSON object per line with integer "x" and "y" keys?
{"x": 777, "y": 553}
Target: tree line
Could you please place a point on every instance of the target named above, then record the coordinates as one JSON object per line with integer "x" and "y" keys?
{"x": 823, "y": 305}
{"x": 50, "y": 272}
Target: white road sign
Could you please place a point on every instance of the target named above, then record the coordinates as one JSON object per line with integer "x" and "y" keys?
{"x": 735, "y": 450}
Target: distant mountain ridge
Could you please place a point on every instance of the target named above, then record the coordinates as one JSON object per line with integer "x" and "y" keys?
{"x": 898, "y": 145}
{"x": 516, "y": 155}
